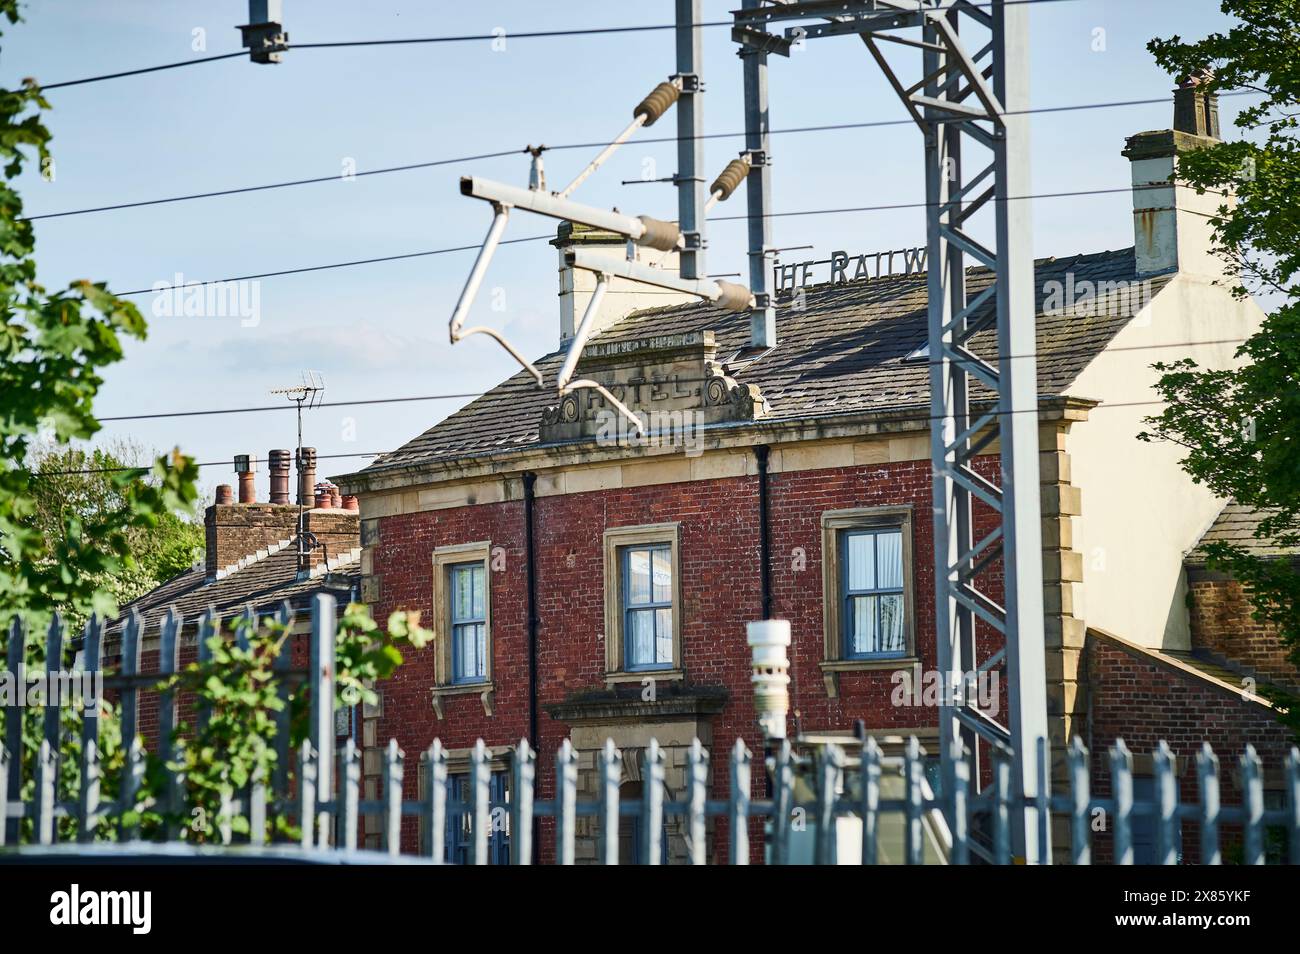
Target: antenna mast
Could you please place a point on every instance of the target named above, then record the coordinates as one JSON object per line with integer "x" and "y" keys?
{"x": 308, "y": 394}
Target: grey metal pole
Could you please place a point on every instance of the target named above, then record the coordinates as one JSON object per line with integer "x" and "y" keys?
{"x": 758, "y": 192}
{"x": 1021, "y": 516}
{"x": 690, "y": 139}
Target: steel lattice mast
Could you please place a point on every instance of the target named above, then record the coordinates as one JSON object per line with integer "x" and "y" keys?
{"x": 968, "y": 101}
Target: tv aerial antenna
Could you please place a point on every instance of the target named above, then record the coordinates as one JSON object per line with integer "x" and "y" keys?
{"x": 307, "y": 395}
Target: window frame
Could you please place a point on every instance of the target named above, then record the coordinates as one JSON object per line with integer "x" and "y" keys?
{"x": 843, "y": 536}
{"x": 617, "y": 542}
{"x": 454, "y": 625}
{"x": 445, "y": 683}
{"x": 837, "y": 525}
{"x": 627, "y": 607}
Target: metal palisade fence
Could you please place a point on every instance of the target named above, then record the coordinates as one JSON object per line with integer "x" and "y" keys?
{"x": 828, "y": 804}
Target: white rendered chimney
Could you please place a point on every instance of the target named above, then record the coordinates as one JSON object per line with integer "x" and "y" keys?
{"x": 622, "y": 297}
{"x": 1171, "y": 226}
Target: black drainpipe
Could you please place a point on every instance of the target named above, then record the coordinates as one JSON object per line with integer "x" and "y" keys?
{"x": 764, "y": 538}
{"x": 764, "y": 575}
{"x": 530, "y": 551}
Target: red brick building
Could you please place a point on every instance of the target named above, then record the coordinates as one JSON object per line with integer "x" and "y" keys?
{"x": 589, "y": 583}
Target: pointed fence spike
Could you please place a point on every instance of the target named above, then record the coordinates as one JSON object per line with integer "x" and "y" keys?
{"x": 783, "y": 807}
{"x": 1080, "y": 793}
{"x": 1252, "y": 804}
{"x": 283, "y": 744}
{"x": 393, "y": 773}
{"x": 870, "y": 808}
{"x": 130, "y": 667}
{"x": 257, "y": 811}
{"x": 435, "y": 766}
{"x": 566, "y": 787}
{"x": 830, "y": 779}
{"x": 697, "y": 770}
{"x": 1121, "y": 784}
{"x": 610, "y": 761}
{"x": 168, "y": 665}
{"x": 480, "y": 780}
{"x": 960, "y": 821}
{"x": 14, "y": 655}
{"x": 652, "y": 804}
{"x": 306, "y": 794}
{"x": 44, "y": 819}
{"x": 132, "y": 780}
{"x": 741, "y": 761}
{"x": 913, "y": 772}
{"x": 323, "y": 630}
{"x": 1001, "y": 805}
{"x": 209, "y": 629}
{"x": 1207, "y": 780}
{"x": 521, "y": 805}
{"x": 1166, "y": 805}
{"x": 350, "y": 775}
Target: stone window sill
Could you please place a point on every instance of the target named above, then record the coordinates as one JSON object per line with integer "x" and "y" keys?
{"x": 831, "y": 669}
{"x": 639, "y": 676}
{"x": 486, "y": 691}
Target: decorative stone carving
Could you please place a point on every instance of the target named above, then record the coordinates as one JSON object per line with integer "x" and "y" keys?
{"x": 672, "y": 382}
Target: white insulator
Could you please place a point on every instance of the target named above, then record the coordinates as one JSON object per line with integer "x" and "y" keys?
{"x": 769, "y": 641}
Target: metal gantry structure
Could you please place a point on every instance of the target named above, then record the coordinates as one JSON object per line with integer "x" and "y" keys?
{"x": 968, "y": 101}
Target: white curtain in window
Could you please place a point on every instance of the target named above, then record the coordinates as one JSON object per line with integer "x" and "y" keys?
{"x": 889, "y": 560}
{"x": 862, "y": 561}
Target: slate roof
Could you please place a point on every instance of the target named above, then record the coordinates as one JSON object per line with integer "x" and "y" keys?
{"x": 1236, "y": 524}
{"x": 843, "y": 353}
{"x": 265, "y": 583}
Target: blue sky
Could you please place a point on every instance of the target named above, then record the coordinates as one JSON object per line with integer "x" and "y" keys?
{"x": 380, "y": 330}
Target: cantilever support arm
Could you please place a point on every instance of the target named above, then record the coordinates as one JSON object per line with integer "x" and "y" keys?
{"x": 456, "y": 331}
{"x": 500, "y": 215}
{"x": 580, "y": 336}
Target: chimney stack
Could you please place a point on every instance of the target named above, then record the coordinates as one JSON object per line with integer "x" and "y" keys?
{"x": 225, "y": 495}
{"x": 623, "y": 297}
{"x": 306, "y": 475}
{"x": 278, "y": 464}
{"x": 1171, "y": 228}
{"x": 245, "y": 468}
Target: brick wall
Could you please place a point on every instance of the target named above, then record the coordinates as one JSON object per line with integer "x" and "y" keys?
{"x": 1142, "y": 701}
{"x": 720, "y": 593}
{"x": 1222, "y": 623}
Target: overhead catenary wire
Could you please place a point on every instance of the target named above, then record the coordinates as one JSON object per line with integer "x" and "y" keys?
{"x": 162, "y": 287}
{"x": 359, "y": 402}
{"x": 499, "y": 154}
{"x": 497, "y": 34}
{"x": 893, "y": 419}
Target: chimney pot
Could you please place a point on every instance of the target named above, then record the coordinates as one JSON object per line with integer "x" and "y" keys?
{"x": 1196, "y": 108}
{"x": 350, "y": 502}
{"x": 225, "y": 495}
{"x": 278, "y": 463}
{"x": 245, "y": 466}
{"x": 336, "y": 498}
{"x": 306, "y": 475}
{"x": 322, "y": 500}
